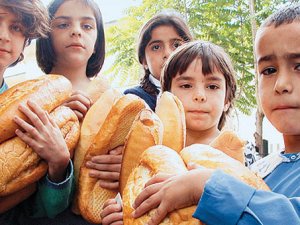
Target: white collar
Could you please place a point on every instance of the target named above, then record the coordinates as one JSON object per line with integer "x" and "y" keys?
{"x": 154, "y": 81}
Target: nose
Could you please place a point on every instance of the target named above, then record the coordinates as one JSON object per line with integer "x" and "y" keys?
{"x": 167, "y": 52}
{"x": 199, "y": 95}
{"x": 284, "y": 83}
{"x": 76, "y": 30}
{"x": 4, "y": 34}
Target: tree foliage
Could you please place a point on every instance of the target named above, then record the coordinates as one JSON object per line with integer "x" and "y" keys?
{"x": 223, "y": 22}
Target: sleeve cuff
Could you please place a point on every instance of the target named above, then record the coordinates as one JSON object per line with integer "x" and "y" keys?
{"x": 46, "y": 181}
{"x": 223, "y": 200}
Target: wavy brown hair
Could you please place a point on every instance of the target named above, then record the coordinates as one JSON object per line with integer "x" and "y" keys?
{"x": 33, "y": 16}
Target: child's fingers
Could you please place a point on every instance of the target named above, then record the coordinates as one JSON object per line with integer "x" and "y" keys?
{"x": 26, "y": 138}
{"x": 39, "y": 112}
{"x": 107, "y": 159}
{"x": 111, "y": 214}
{"x": 32, "y": 131}
{"x": 82, "y": 98}
{"x": 108, "y": 202}
{"x": 147, "y": 200}
{"x": 160, "y": 213}
{"x": 35, "y": 120}
{"x": 117, "y": 151}
{"x": 51, "y": 121}
{"x": 104, "y": 175}
{"x": 160, "y": 177}
{"x": 104, "y": 167}
{"x": 79, "y": 115}
{"x": 110, "y": 185}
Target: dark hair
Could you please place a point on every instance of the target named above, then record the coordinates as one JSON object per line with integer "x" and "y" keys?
{"x": 284, "y": 15}
{"x": 33, "y": 16}
{"x": 212, "y": 56}
{"x": 44, "y": 48}
{"x": 169, "y": 18}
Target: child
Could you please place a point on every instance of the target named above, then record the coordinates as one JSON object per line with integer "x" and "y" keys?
{"x": 20, "y": 22}
{"x": 75, "y": 47}
{"x": 201, "y": 75}
{"x": 221, "y": 198}
{"x": 160, "y": 36}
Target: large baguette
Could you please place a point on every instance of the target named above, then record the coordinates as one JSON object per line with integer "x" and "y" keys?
{"x": 21, "y": 166}
{"x": 91, "y": 125}
{"x": 146, "y": 131}
{"x": 171, "y": 112}
{"x": 156, "y": 159}
{"x": 111, "y": 135}
{"x": 47, "y": 91}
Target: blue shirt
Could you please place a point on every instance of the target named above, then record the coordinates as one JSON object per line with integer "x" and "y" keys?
{"x": 226, "y": 200}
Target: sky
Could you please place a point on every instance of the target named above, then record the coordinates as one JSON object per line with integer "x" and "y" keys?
{"x": 113, "y": 10}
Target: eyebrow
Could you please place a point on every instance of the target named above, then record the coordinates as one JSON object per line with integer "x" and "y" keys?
{"x": 293, "y": 56}
{"x": 68, "y": 17}
{"x": 266, "y": 58}
{"x": 208, "y": 77}
{"x": 159, "y": 41}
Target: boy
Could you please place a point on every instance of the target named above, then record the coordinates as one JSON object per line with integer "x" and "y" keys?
{"x": 221, "y": 198}
{"x": 20, "y": 22}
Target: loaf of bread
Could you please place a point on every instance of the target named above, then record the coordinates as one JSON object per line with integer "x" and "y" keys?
{"x": 171, "y": 112}
{"x": 47, "y": 91}
{"x": 111, "y": 135}
{"x": 20, "y": 166}
{"x": 146, "y": 131}
{"x": 154, "y": 160}
{"x": 164, "y": 160}
{"x": 229, "y": 143}
{"x": 97, "y": 87}
{"x": 14, "y": 199}
{"x": 91, "y": 125}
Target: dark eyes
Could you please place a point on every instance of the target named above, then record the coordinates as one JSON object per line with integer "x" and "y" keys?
{"x": 268, "y": 71}
{"x": 16, "y": 28}
{"x": 177, "y": 44}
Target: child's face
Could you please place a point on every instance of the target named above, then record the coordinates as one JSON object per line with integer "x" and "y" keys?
{"x": 164, "y": 40}
{"x": 12, "y": 38}
{"x": 74, "y": 33}
{"x": 278, "y": 56}
{"x": 203, "y": 97}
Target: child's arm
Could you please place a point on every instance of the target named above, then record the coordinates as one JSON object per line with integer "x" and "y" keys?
{"x": 80, "y": 103}
{"x": 226, "y": 200}
{"x": 112, "y": 213}
{"x": 107, "y": 168}
{"x": 163, "y": 191}
{"x": 45, "y": 138}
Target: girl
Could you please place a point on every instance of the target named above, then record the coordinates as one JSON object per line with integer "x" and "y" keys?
{"x": 201, "y": 75}
{"x": 160, "y": 36}
{"x": 20, "y": 22}
{"x": 277, "y": 52}
{"x": 75, "y": 47}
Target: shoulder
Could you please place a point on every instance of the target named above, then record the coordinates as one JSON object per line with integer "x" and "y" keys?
{"x": 134, "y": 90}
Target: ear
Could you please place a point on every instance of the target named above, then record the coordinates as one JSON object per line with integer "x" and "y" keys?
{"x": 145, "y": 65}
{"x": 226, "y": 106}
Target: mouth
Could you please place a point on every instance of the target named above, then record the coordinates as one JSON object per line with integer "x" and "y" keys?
{"x": 4, "y": 50}
{"x": 283, "y": 107}
{"x": 197, "y": 111}
{"x": 75, "y": 45}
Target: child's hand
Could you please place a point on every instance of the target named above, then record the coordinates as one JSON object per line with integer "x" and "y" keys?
{"x": 162, "y": 193}
{"x": 107, "y": 168}
{"x": 112, "y": 213}
{"x": 79, "y": 103}
{"x": 45, "y": 138}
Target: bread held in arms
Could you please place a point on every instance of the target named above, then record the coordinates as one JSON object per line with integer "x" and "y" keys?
{"x": 20, "y": 166}
{"x": 112, "y": 134}
{"x": 47, "y": 91}
{"x": 157, "y": 159}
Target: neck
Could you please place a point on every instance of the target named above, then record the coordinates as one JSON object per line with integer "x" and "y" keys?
{"x": 291, "y": 143}
{"x": 77, "y": 76}
{"x": 201, "y": 137}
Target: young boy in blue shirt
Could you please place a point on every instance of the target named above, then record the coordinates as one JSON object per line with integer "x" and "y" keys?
{"x": 223, "y": 199}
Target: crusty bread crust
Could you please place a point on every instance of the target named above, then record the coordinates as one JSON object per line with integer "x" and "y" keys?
{"x": 47, "y": 91}
{"x": 146, "y": 131}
